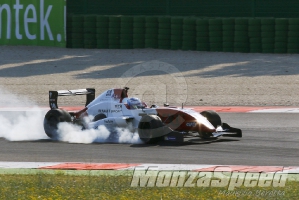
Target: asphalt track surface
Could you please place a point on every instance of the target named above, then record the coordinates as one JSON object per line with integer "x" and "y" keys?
{"x": 268, "y": 139}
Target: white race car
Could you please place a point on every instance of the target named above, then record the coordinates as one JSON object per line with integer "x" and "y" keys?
{"x": 113, "y": 108}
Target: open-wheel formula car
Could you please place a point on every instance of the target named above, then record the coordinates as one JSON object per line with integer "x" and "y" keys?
{"x": 113, "y": 108}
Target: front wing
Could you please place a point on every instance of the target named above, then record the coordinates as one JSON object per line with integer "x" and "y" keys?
{"x": 225, "y": 130}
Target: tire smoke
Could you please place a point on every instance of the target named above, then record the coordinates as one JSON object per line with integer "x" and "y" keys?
{"x": 20, "y": 119}
{"x": 74, "y": 134}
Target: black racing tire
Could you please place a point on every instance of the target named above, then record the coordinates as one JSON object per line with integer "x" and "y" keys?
{"x": 213, "y": 118}
{"x": 149, "y": 129}
{"x": 51, "y": 121}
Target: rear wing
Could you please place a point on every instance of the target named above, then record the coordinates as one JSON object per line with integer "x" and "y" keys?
{"x": 53, "y": 95}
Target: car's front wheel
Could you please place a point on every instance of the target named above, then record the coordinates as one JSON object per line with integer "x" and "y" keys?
{"x": 214, "y": 119}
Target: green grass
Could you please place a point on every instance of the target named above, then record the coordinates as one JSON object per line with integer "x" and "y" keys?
{"x": 68, "y": 186}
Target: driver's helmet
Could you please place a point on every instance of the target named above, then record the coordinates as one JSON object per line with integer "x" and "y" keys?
{"x": 134, "y": 103}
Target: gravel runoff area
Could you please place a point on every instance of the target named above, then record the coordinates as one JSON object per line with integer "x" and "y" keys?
{"x": 155, "y": 76}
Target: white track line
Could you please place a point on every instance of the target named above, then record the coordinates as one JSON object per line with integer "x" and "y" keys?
{"x": 277, "y": 110}
{"x": 26, "y": 165}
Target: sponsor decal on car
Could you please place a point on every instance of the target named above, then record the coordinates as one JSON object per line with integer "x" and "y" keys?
{"x": 118, "y": 106}
{"x": 108, "y": 121}
{"x": 108, "y": 111}
{"x": 104, "y": 110}
{"x": 115, "y": 111}
{"x": 191, "y": 124}
{"x": 109, "y": 92}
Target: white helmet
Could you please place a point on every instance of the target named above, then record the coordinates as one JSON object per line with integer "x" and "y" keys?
{"x": 134, "y": 103}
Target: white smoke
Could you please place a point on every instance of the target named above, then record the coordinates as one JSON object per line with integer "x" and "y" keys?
{"x": 20, "y": 126}
{"x": 126, "y": 136}
{"x": 21, "y": 120}
{"x": 74, "y": 134}
{"x": 18, "y": 123}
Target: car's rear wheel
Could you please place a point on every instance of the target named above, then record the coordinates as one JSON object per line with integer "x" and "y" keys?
{"x": 52, "y": 119}
{"x": 213, "y": 118}
{"x": 150, "y": 129}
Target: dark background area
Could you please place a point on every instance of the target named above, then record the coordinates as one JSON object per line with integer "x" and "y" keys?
{"x": 204, "y": 8}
